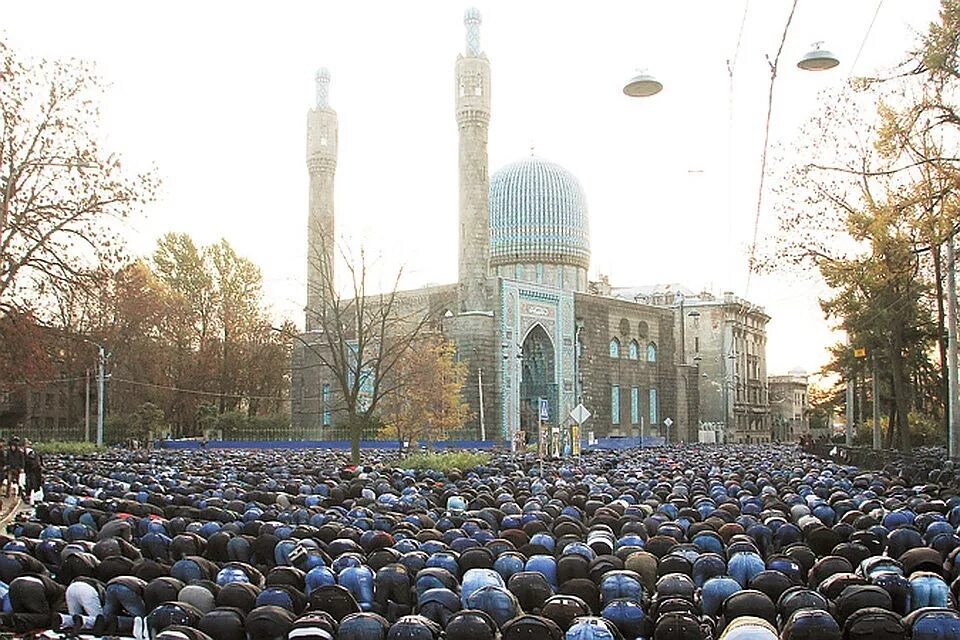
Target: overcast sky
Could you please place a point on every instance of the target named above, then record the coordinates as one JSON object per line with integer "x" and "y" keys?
{"x": 215, "y": 94}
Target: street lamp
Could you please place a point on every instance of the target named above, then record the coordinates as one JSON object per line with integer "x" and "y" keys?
{"x": 818, "y": 59}
{"x": 642, "y": 85}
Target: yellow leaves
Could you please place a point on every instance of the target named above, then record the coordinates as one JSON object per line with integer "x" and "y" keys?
{"x": 427, "y": 402}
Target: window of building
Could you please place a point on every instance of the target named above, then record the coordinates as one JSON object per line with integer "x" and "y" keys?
{"x": 614, "y": 348}
{"x": 634, "y": 350}
{"x": 634, "y": 405}
{"x": 327, "y": 412}
{"x": 653, "y": 407}
{"x": 49, "y": 400}
{"x": 651, "y": 352}
{"x": 539, "y": 273}
{"x": 696, "y": 344}
{"x": 615, "y": 404}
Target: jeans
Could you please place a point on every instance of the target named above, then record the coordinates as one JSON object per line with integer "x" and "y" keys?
{"x": 121, "y": 598}
{"x": 83, "y": 600}
{"x": 928, "y": 590}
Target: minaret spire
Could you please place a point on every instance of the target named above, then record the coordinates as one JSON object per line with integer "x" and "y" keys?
{"x": 471, "y": 18}
{"x": 322, "y": 80}
{"x": 322, "y": 131}
{"x": 473, "y": 118}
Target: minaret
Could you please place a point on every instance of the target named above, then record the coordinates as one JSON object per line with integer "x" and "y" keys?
{"x": 322, "y": 165}
{"x": 473, "y": 119}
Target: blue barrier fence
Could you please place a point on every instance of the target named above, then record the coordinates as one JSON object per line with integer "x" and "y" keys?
{"x": 628, "y": 443}
{"x": 601, "y": 443}
{"x": 320, "y": 444}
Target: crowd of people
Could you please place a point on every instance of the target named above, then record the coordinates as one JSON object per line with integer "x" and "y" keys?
{"x": 672, "y": 543}
{"x": 21, "y": 469}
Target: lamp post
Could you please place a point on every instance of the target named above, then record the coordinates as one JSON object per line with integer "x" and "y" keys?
{"x": 101, "y": 384}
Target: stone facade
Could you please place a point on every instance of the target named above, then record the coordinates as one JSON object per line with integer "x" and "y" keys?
{"x": 472, "y": 86}
{"x": 727, "y": 338}
{"x": 789, "y": 406}
{"x": 647, "y": 366}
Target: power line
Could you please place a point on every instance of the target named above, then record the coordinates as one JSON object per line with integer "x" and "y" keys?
{"x": 766, "y": 146}
{"x": 198, "y": 392}
{"x": 865, "y": 36}
{"x": 731, "y": 67}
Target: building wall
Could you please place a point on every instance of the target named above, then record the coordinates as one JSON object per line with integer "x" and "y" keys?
{"x": 51, "y": 412}
{"x": 311, "y": 407}
{"x": 604, "y": 319}
{"x": 789, "y": 407}
{"x": 727, "y": 338}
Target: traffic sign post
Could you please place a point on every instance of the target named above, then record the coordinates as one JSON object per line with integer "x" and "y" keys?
{"x": 580, "y": 414}
{"x": 667, "y": 422}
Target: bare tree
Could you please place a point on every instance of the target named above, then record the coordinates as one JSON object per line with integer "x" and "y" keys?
{"x": 60, "y": 193}
{"x": 359, "y": 341}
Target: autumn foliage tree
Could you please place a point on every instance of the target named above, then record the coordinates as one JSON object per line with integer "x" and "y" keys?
{"x": 61, "y": 194}
{"x": 868, "y": 200}
{"x": 427, "y": 403}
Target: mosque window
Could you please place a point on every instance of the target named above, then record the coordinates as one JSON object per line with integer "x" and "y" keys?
{"x": 615, "y": 404}
{"x": 651, "y": 352}
{"x": 539, "y": 273}
{"x": 653, "y": 407}
{"x": 327, "y": 412}
{"x": 634, "y": 405}
{"x": 634, "y": 351}
{"x": 614, "y": 348}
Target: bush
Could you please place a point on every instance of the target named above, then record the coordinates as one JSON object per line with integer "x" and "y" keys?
{"x": 65, "y": 448}
{"x": 444, "y": 462}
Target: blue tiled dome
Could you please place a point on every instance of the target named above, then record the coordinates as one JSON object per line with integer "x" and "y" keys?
{"x": 538, "y": 214}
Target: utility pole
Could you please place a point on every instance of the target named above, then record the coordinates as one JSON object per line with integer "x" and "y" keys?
{"x": 101, "y": 375}
{"x": 952, "y": 406}
{"x": 849, "y": 427}
{"x": 86, "y": 410}
{"x": 483, "y": 428}
{"x": 876, "y": 403}
{"x": 683, "y": 337}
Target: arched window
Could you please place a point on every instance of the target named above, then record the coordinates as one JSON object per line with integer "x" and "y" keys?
{"x": 614, "y": 348}
{"x": 651, "y": 352}
{"x": 634, "y": 351}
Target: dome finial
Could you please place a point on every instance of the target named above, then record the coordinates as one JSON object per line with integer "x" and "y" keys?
{"x": 533, "y": 149}
{"x": 471, "y": 18}
{"x": 322, "y": 79}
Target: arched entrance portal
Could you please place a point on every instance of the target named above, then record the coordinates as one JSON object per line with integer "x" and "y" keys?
{"x": 538, "y": 380}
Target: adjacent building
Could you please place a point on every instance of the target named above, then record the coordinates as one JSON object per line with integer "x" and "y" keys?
{"x": 789, "y": 406}
{"x": 725, "y": 339}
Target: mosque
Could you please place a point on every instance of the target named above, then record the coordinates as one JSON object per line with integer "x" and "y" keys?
{"x": 539, "y": 339}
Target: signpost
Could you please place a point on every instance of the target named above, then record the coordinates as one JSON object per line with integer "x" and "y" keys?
{"x": 580, "y": 414}
{"x": 543, "y": 447}
{"x": 668, "y": 422}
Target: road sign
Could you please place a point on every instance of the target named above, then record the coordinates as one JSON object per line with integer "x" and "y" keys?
{"x": 859, "y": 352}
{"x": 667, "y": 422}
{"x": 544, "y": 409}
{"x": 580, "y": 414}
